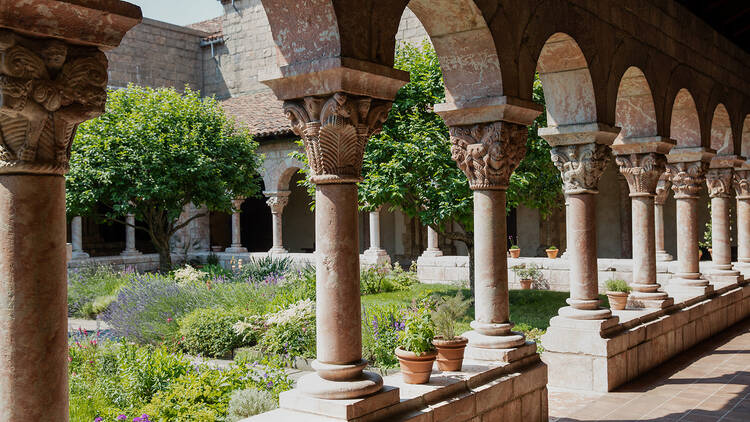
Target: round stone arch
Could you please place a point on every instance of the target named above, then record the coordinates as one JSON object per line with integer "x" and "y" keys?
{"x": 684, "y": 115}
{"x": 635, "y": 111}
{"x": 724, "y": 114}
{"x": 745, "y": 137}
{"x": 278, "y": 167}
{"x": 722, "y": 140}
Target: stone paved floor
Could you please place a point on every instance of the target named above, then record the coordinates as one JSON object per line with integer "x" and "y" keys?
{"x": 710, "y": 382}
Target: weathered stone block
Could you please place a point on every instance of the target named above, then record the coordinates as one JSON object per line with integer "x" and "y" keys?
{"x": 494, "y": 394}
{"x": 531, "y": 409}
{"x": 460, "y": 408}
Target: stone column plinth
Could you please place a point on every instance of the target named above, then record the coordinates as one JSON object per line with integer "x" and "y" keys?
{"x": 433, "y": 248}
{"x": 375, "y": 255}
{"x": 130, "y": 249}
{"x": 642, "y": 172}
{"x": 49, "y": 86}
{"x": 488, "y": 153}
{"x": 719, "y": 183}
{"x": 236, "y": 246}
{"x": 687, "y": 179}
{"x": 662, "y": 194}
{"x": 277, "y": 202}
{"x": 76, "y": 238}
{"x": 742, "y": 193}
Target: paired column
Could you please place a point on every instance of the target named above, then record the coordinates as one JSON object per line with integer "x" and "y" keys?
{"x": 48, "y": 88}
{"x": 277, "y": 202}
{"x": 130, "y": 249}
{"x": 335, "y": 129}
{"x": 76, "y": 238}
{"x": 488, "y": 153}
{"x": 741, "y": 185}
{"x": 375, "y": 255}
{"x": 236, "y": 246}
{"x": 719, "y": 183}
{"x": 433, "y": 248}
{"x": 687, "y": 179}
{"x": 642, "y": 172}
{"x": 662, "y": 193}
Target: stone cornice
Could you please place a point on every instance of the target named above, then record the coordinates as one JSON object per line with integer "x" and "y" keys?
{"x": 581, "y": 133}
{"x": 642, "y": 172}
{"x": 687, "y": 178}
{"x": 581, "y": 166}
{"x": 489, "y": 109}
{"x": 488, "y": 152}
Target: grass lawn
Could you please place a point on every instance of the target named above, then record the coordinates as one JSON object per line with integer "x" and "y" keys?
{"x": 530, "y": 310}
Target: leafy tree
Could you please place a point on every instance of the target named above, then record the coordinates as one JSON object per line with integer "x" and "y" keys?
{"x": 152, "y": 153}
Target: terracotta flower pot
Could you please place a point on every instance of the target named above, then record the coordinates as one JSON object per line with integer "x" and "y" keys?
{"x": 700, "y": 254}
{"x": 526, "y": 284}
{"x": 515, "y": 253}
{"x": 450, "y": 353}
{"x": 617, "y": 300}
{"x": 415, "y": 369}
{"x": 710, "y": 252}
{"x": 552, "y": 253}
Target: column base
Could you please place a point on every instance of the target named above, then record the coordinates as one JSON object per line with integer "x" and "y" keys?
{"x": 649, "y": 299}
{"x": 80, "y": 255}
{"x": 235, "y": 249}
{"x": 375, "y": 257}
{"x": 584, "y": 314}
{"x": 314, "y": 386}
{"x": 688, "y": 285}
{"x": 431, "y": 253}
{"x": 276, "y": 250}
{"x": 744, "y": 269}
{"x": 663, "y": 256}
{"x": 131, "y": 253}
{"x": 509, "y": 355}
{"x": 724, "y": 277}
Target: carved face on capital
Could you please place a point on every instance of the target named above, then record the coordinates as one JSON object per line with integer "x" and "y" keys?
{"x": 54, "y": 54}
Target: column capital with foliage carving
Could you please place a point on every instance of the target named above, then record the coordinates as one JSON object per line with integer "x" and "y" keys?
{"x": 687, "y": 178}
{"x": 581, "y": 166}
{"x": 277, "y": 201}
{"x": 642, "y": 172}
{"x": 742, "y": 184}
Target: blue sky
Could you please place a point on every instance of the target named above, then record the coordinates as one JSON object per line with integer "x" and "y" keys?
{"x": 179, "y": 12}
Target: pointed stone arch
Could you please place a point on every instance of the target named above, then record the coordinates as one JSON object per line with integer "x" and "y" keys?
{"x": 685, "y": 126}
{"x": 721, "y": 131}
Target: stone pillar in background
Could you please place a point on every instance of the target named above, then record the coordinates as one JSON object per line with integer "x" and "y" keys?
{"x": 236, "y": 246}
{"x": 433, "y": 248}
{"x": 662, "y": 193}
{"x": 277, "y": 202}
{"x": 742, "y": 193}
{"x": 642, "y": 172}
{"x": 626, "y": 218}
{"x": 375, "y": 255}
{"x": 76, "y": 238}
{"x": 687, "y": 178}
{"x": 488, "y": 153}
{"x": 130, "y": 249}
{"x": 49, "y": 87}
{"x": 719, "y": 183}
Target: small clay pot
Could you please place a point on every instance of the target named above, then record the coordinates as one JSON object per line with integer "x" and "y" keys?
{"x": 710, "y": 252}
{"x": 450, "y": 353}
{"x": 552, "y": 253}
{"x": 617, "y": 300}
{"x": 416, "y": 369}
{"x": 526, "y": 283}
{"x": 515, "y": 253}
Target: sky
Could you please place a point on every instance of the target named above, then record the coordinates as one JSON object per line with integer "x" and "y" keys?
{"x": 179, "y": 12}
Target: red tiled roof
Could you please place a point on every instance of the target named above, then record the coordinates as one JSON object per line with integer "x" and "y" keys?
{"x": 260, "y": 112}
{"x": 212, "y": 26}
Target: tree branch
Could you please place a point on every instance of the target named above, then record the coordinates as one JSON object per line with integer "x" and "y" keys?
{"x": 186, "y": 222}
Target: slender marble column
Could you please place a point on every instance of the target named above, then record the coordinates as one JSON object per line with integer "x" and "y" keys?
{"x": 130, "y": 249}
{"x": 76, "y": 238}
{"x": 719, "y": 183}
{"x": 375, "y": 255}
{"x": 687, "y": 179}
{"x": 327, "y": 125}
{"x": 642, "y": 172}
{"x": 741, "y": 186}
{"x": 433, "y": 248}
{"x": 488, "y": 153}
{"x": 236, "y": 246}
{"x": 662, "y": 193}
{"x": 277, "y": 202}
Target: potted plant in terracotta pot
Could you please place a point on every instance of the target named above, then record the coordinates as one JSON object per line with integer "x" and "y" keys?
{"x": 450, "y": 348}
{"x": 514, "y": 250}
{"x": 552, "y": 252}
{"x": 527, "y": 275}
{"x": 617, "y": 292}
{"x": 415, "y": 353}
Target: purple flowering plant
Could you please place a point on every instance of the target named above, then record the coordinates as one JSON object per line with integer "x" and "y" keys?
{"x": 380, "y": 328}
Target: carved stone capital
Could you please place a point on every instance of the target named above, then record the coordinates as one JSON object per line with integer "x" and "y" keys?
{"x": 277, "y": 203}
{"x": 581, "y": 166}
{"x": 488, "y": 152}
{"x": 47, "y": 88}
{"x": 662, "y": 189}
{"x": 742, "y": 184}
{"x": 719, "y": 182}
{"x": 642, "y": 172}
{"x": 687, "y": 178}
{"x": 237, "y": 203}
{"x": 335, "y": 130}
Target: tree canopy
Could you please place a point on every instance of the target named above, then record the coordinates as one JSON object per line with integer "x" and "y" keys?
{"x": 153, "y": 152}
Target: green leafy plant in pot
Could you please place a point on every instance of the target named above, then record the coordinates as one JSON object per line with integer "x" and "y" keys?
{"x": 552, "y": 252}
{"x": 450, "y": 347}
{"x": 416, "y": 353}
{"x": 514, "y": 250}
{"x": 617, "y": 293}
{"x": 527, "y": 275}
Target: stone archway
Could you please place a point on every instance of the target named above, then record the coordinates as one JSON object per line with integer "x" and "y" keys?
{"x": 721, "y": 132}
{"x": 685, "y": 126}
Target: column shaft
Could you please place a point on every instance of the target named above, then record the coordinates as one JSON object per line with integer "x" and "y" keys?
{"x": 236, "y": 234}
{"x": 644, "y": 248}
{"x": 743, "y": 230}
{"x": 76, "y": 234}
{"x": 432, "y": 239}
{"x": 659, "y": 228}
{"x": 687, "y": 238}
{"x": 721, "y": 249}
{"x": 490, "y": 259}
{"x": 581, "y": 239}
{"x": 374, "y": 230}
{"x": 33, "y": 291}
{"x": 278, "y": 226}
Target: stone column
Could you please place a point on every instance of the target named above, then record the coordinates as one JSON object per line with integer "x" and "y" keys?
{"x": 662, "y": 193}
{"x": 277, "y": 201}
{"x": 236, "y": 246}
{"x": 433, "y": 248}
{"x": 76, "y": 238}
{"x": 642, "y": 172}
{"x": 130, "y": 249}
{"x": 719, "y": 183}
{"x": 742, "y": 193}
{"x": 48, "y": 88}
{"x": 375, "y": 255}
{"x": 329, "y": 125}
{"x": 687, "y": 179}
{"x": 488, "y": 153}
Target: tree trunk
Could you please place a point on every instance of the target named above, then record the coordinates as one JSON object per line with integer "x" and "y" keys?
{"x": 165, "y": 260}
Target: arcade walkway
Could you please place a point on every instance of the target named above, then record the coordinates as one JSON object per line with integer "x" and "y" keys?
{"x": 710, "y": 382}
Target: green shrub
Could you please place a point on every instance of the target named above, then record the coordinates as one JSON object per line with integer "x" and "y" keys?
{"x": 618, "y": 285}
{"x": 418, "y": 331}
{"x": 298, "y": 285}
{"x": 386, "y": 278}
{"x": 291, "y": 331}
{"x": 381, "y": 325}
{"x": 258, "y": 270}
{"x": 88, "y": 284}
{"x": 448, "y": 312}
{"x": 210, "y": 332}
{"x": 250, "y": 402}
